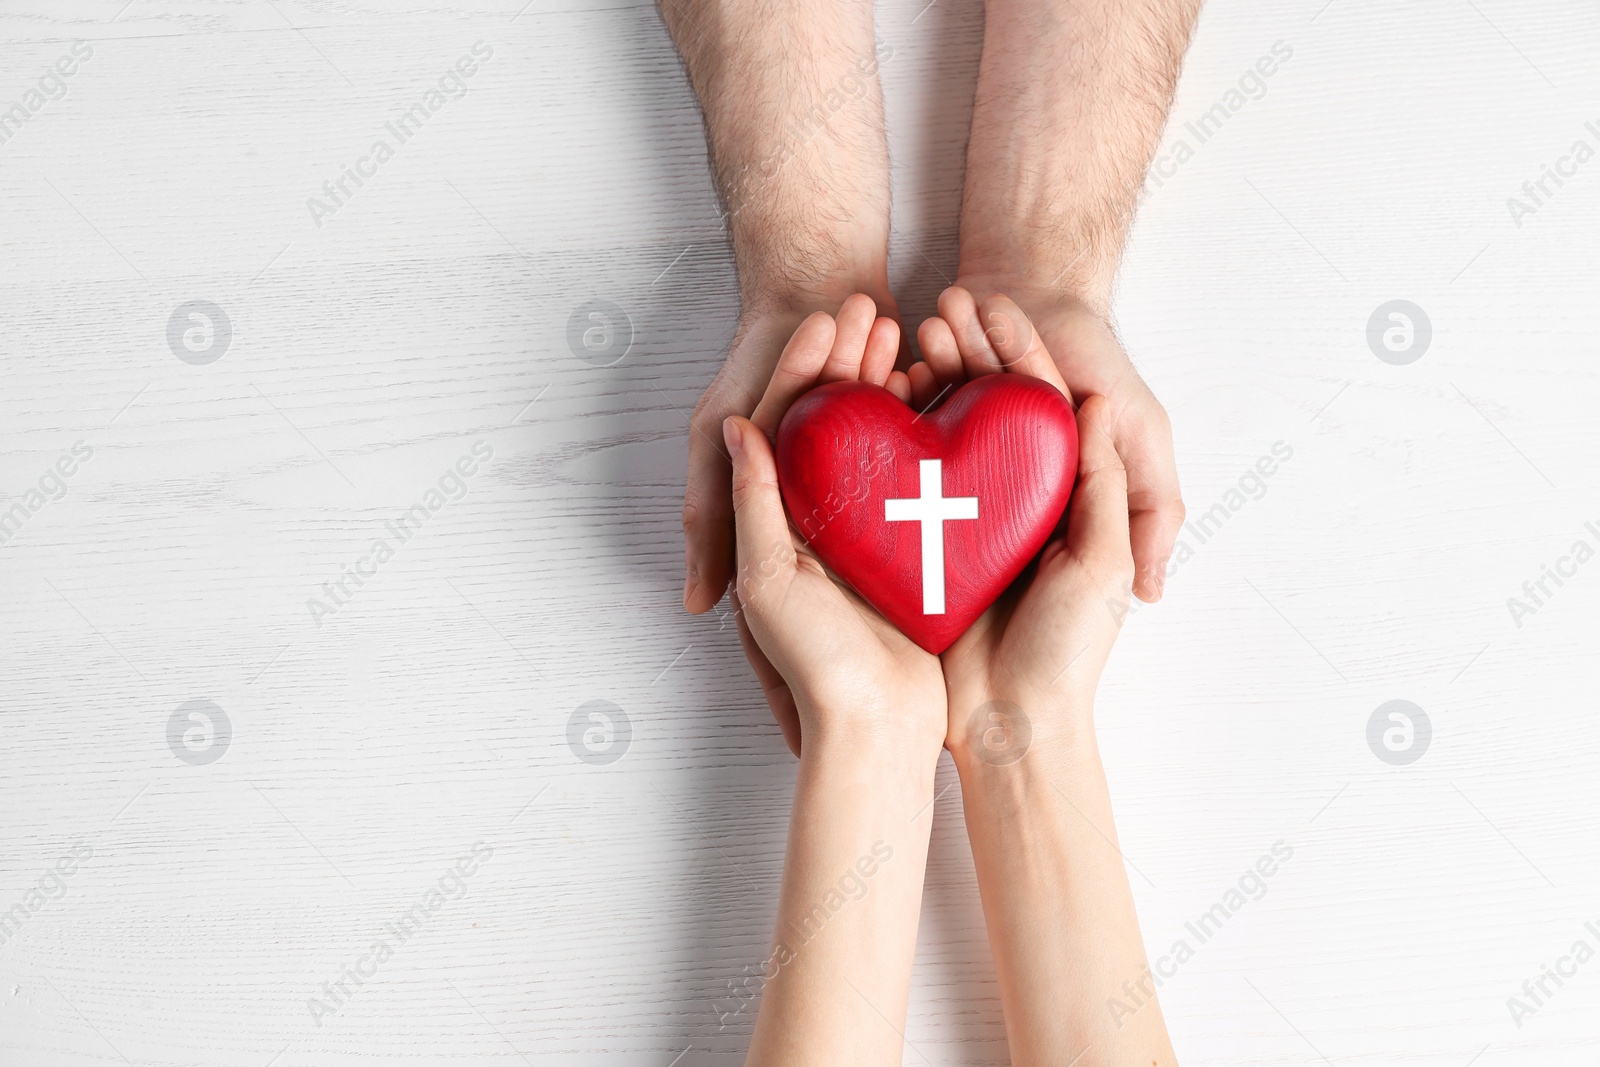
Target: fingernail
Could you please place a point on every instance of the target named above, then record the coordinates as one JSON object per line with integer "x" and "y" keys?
{"x": 690, "y": 581}
{"x": 732, "y": 437}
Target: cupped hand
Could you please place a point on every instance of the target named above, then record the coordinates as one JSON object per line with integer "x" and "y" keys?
{"x": 1092, "y": 361}
{"x": 765, "y": 327}
{"x": 833, "y": 669}
{"x": 1031, "y": 663}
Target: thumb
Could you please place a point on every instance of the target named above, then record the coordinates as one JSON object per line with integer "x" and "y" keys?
{"x": 1097, "y": 529}
{"x": 765, "y": 550}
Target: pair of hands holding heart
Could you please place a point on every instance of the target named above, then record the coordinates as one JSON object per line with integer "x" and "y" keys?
{"x": 831, "y": 665}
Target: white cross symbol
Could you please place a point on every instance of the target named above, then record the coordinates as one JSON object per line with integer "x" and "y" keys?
{"x": 931, "y": 509}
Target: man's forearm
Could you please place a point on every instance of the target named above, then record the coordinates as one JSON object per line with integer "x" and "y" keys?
{"x": 835, "y": 986}
{"x": 1071, "y": 101}
{"x": 794, "y": 126}
{"x": 1059, "y": 911}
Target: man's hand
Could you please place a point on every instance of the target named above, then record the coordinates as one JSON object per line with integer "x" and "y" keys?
{"x": 1092, "y": 362}
{"x": 707, "y": 508}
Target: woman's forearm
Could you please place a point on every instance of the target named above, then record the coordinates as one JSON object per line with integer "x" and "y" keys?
{"x": 1059, "y": 909}
{"x": 835, "y": 986}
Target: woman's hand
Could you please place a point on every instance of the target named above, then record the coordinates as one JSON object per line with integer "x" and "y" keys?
{"x": 1025, "y": 673}
{"x": 833, "y": 669}
{"x": 1021, "y": 689}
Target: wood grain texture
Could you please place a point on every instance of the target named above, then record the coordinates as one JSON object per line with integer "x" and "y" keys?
{"x": 430, "y": 712}
{"x": 850, "y": 462}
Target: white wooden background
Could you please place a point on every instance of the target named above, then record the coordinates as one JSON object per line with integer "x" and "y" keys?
{"x": 430, "y": 713}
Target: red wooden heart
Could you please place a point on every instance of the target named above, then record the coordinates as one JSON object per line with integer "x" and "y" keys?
{"x": 929, "y": 517}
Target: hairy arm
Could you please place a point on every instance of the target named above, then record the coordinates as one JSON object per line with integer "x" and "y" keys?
{"x": 794, "y": 127}
{"x": 1072, "y": 98}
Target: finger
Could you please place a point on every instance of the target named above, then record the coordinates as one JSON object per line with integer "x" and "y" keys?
{"x": 798, "y": 367}
{"x": 957, "y": 307}
{"x": 779, "y": 697}
{"x": 940, "y": 352}
{"x": 883, "y": 347}
{"x": 1155, "y": 503}
{"x": 854, "y": 322}
{"x": 1018, "y": 345}
{"x": 1097, "y": 531}
{"x": 707, "y": 508}
{"x": 924, "y": 388}
{"x": 900, "y": 385}
{"x": 765, "y": 550}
